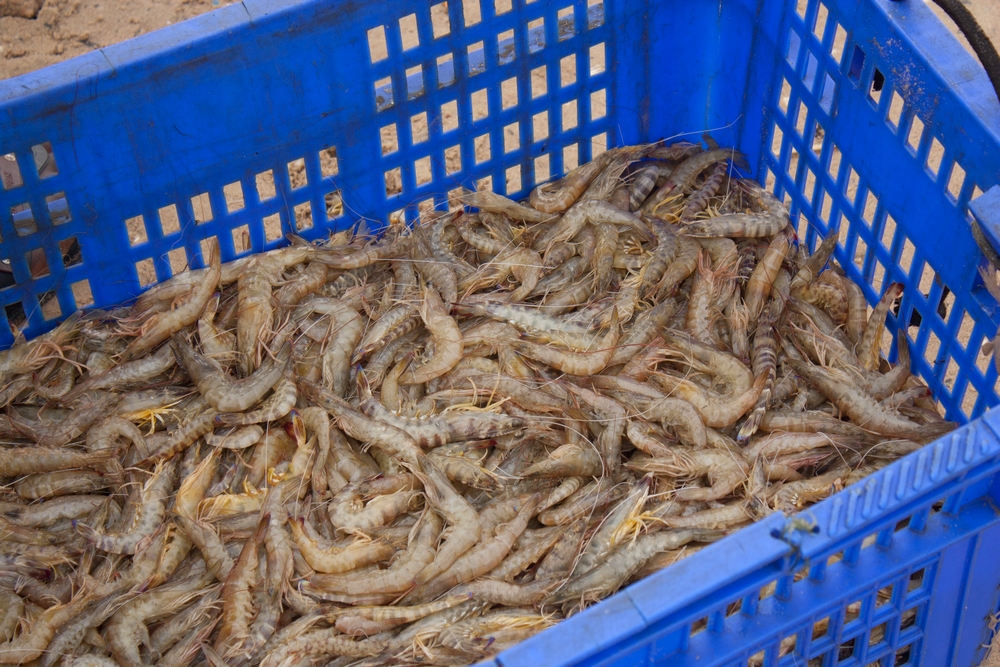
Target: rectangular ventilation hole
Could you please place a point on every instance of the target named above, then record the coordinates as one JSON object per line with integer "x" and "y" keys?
{"x": 445, "y": 70}
{"x": 328, "y": 164}
{"x": 393, "y": 182}
{"x": 857, "y": 64}
{"x": 513, "y": 179}
{"x": 59, "y": 212}
{"x": 895, "y": 111}
{"x": 569, "y": 115}
{"x": 24, "y": 219}
{"x": 439, "y": 20}
{"x": 145, "y": 272}
{"x": 539, "y": 82}
{"x": 875, "y": 92}
{"x": 536, "y": 35}
{"x": 477, "y": 58}
{"x": 426, "y": 210}
{"x": 45, "y": 160}
{"x": 272, "y": 230}
{"x": 915, "y": 134}
{"x": 834, "y": 167}
{"x": 480, "y": 105}
{"x": 786, "y": 95}
{"x": 839, "y": 40}
{"x": 540, "y": 126}
{"x": 265, "y": 185}
{"x": 377, "y": 48}
{"x": 598, "y": 144}
{"x": 453, "y": 160}
{"x": 383, "y": 94}
{"x": 177, "y": 260}
{"x": 471, "y": 12}
{"x": 542, "y": 167}
{"x": 820, "y": 26}
{"x": 303, "y": 216}
{"x": 136, "y": 228}
{"x": 449, "y": 116}
{"x": 72, "y": 254}
{"x": 422, "y": 169}
{"x": 597, "y": 63}
{"x": 598, "y": 104}
{"x": 956, "y": 180}
{"x": 505, "y": 47}
{"x": 934, "y": 157}
{"x": 418, "y": 128}
{"x": 82, "y": 294}
{"x": 508, "y": 93}
{"x": 511, "y": 137}
{"x": 566, "y": 25}
{"x": 389, "y": 138}
{"x": 202, "y": 208}
{"x": 241, "y": 238}
{"x": 234, "y": 196}
{"x": 169, "y": 222}
{"x": 10, "y": 172}
{"x": 297, "y": 176}
{"x": 595, "y": 13}
{"x": 15, "y": 314}
{"x": 408, "y": 32}
{"x": 38, "y": 263}
{"x": 205, "y": 246}
{"x": 571, "y": 157}
{"x": 334, "y": 204}
{"x": 483, "y": 150}
{"x": 567, "y": 71}
{"x": 414, "y": 82}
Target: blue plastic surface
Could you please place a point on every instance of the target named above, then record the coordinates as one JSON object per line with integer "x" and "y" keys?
{"x": 863, "y": 115}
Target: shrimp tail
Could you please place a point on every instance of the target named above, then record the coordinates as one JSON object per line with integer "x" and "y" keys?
{"x": 752, "y": 423}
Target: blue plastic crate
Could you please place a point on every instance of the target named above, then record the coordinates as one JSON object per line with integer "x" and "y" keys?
{"x": 865, "y": 114}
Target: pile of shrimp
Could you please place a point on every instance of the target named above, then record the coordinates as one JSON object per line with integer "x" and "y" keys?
{"x": 425, "y": 446}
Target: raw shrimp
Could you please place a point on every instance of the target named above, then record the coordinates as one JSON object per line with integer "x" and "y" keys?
{"x": 126, "y": 630}
{"x": 560, "y": 195}
{"x": 185, "y": 311}
{"x": 222, "y": 392}
{"x": 349, "y": 513}
{"x": 394, "y": 441}
{"x": 483, "y": 557}
{"x": 237, "y": 601}
{"x": 447, "y": 338}
{"x": 397, "y": 577}
{"x": 583, "y": 213}
{"x": 152, "y": 510}
{"x": 725, "y": 470}
{"x": 623, "y": 562}
{"x": 700, "y": 198}
{"x": 575, "y": 363}
{"x": 485, "y": 200}
{"x": 465, "y": 528}
{"x": 32, "y": 642}
{"x": 771, "y": 219}
{"x": 683, "y": 177}
{"x": 871, "y": 339}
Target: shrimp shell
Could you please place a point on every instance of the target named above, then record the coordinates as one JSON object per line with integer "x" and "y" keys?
{"x": 161, "y": 326}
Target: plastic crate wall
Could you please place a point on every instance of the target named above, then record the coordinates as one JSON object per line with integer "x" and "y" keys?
{"x": 155, "y": 126}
